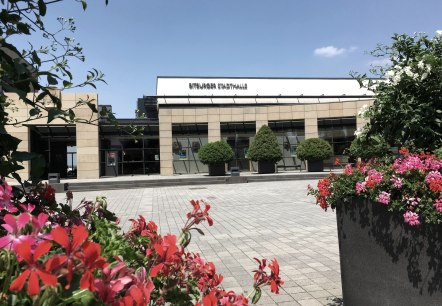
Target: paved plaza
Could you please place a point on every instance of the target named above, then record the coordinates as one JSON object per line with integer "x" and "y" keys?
{"x": 263, "y": 220}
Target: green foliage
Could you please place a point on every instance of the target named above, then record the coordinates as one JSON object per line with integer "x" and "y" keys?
{"x": 438, "y": 152}
{"x": 407, "y": 110}
{"x": 112, "y": 243}
{"x": 314, "y": 149}
{"x": 265, "y": 146}
{"x": 366, "y": 148}
{"x": 218, "y": 152}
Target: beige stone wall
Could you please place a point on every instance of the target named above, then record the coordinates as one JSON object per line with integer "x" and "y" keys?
{"x": 87, "y": 140}
{"x": 214, "y": 116}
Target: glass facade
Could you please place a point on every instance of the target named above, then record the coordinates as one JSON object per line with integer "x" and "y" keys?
{"x": 57, "y": 144}
{"x": 187, "y": 139}
{"x": 289, "y": 133}
{"x": 122, "y": 154}
{"x": 339, "y": 132}
{"x": 239, "y": 136}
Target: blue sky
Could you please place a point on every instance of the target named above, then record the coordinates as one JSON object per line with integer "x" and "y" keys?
{"x": 134, "y": 41}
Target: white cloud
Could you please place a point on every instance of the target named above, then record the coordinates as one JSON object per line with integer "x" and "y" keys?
{"x": 332, "y": 51}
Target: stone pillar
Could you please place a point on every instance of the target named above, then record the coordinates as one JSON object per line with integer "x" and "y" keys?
{"x": 311, "y": 122}
{"x": 166, "y": 156}
{"x": 213, "y": 131}
{"x": 87, "y": 140}
{"x": 260, "y": 123}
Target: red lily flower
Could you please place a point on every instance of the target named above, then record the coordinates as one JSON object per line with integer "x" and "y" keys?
{"x": 33, "y": 271}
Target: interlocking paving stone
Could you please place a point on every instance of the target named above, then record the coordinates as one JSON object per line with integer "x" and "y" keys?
{"x": 263, "y": 219}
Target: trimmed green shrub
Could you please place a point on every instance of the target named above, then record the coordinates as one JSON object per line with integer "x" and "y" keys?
{"x": 314, "y": 149}
{"x": 218, "y": 152}
{"x": 265, "y": 146}
{"x": 366, "y": 148}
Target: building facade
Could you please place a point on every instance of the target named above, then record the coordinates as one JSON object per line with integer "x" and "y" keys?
{"x": 188, "y": 112}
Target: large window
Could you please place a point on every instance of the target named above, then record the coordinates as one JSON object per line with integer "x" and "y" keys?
{"x": 340, "y": 133}
{"x": 123, "y": 154}
{"x": 187, "y": 139}
{"x": 239, "y": 136}
{"x": 289, "y": 134}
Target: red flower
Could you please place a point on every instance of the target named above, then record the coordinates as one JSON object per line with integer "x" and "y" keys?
{"x": 71, "y": 246}
{"x": 32, "y": 270}
{"x": 91, "y": 259}
{"x": 275, "y": 279}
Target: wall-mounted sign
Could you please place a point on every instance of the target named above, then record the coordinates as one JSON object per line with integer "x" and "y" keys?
{"x": 183, "y": 155}
{"x": 293, "y": 150}
{"x": 220, "y": 86}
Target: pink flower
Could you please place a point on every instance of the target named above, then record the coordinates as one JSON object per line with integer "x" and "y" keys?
{"x": 348, "y": 170}
{"x": 14, "y": 226}
{"x": 438, "y": 205}
{"x": 397, "y": 181}
{"x": 5, "y": 193}
{"x": 6, "y": 196}
{"x": 384, "y": 198}
{"x": 411, "y": 218}
{"x": 413, "y": 201}
{"x": 360, "y": 187}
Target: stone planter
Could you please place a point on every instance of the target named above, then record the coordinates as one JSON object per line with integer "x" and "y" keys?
{"x": 315, "y": 165}
{"x": 385, "y": 261}
{"x": 266, "y": 167}
{"x": 217, "y": 169}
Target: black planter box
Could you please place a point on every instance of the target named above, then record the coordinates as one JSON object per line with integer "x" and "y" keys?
{"x": 217, "y": 169}
{"x": 315, "y": 165}
{"x": 385, "y": 261}
{"x": 266, "y": 167}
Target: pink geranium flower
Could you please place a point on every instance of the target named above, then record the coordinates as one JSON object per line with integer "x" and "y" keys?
{"x": 438, "y": 205}
{"x": 411, "y": 218}
{"x": 384, "y": 198}
{"x": 14, "y": 226}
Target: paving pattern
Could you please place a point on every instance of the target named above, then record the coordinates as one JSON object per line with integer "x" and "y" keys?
{"x": 263, "y": 220}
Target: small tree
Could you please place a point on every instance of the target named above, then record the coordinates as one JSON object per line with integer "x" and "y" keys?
{"x": 218, "y": 152}
{"x": 366, "y": 148}
{"x": 265, "y": 146}
{"x": 407, "y": 110}
{"x": 314, "y": 149}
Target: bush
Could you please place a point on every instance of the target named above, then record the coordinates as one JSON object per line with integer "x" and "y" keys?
{"x": 367, "y": 148}
{"x": 265, "y": 146}
{"x": 438, "y": 152}
{"x": 218, "y": 152}
{"x": 314, "y": 149}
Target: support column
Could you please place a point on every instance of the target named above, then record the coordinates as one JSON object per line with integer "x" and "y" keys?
{"x": 214, "y": 131}
{"x": 166, "y": 156}
{"x": 311, "y": 128}
{"x": 260, "y": 123}
{"x": 87, "y": 141}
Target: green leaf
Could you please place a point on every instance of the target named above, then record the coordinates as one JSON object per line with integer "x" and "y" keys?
{"x": 198, "y": 230}
{"x": 92, "y": 106}
{"x": 54, "y": 113}
{"x": 67, "y": 84}
{"x": 42, "y": 7}
{"x": 52, "y": 80}
{"x": 257, "y": 295}
{"x": 84, "y": 4}
{"x": 34, "y": 112}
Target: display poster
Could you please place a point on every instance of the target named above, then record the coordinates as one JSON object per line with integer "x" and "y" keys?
{"x": 183, "y": 155}
{"x": 293, "y": 150}
{"x": 111, "y": 159}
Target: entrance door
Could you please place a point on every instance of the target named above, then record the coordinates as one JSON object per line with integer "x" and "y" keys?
{"x": 240, "y": 145}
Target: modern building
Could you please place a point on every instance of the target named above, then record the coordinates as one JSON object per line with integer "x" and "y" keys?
{"x": 186, "y": 113}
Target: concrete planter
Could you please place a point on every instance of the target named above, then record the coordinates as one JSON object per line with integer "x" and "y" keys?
{"x": 315, "y": 165}
{"x": 266, "y": 167}
{"x": 385, "y": 261}
{"x": 217, "y": 169}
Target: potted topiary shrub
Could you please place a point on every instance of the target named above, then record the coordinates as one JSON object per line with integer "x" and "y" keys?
{"x": 265, "y": 150}
{"x": 314, "y": 151}
{"x": 216, "y": 155}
